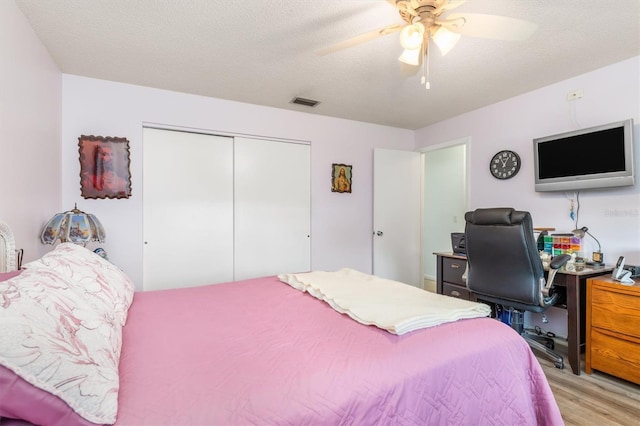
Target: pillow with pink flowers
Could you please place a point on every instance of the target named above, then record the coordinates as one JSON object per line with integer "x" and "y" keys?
{"x": 101, "y": 282}
{"x": 61, "y": 320}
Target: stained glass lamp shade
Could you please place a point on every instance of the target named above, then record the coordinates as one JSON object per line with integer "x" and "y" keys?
{"x": 73, "y": 226}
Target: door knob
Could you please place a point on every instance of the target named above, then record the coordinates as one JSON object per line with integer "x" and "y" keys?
{"x": 379, "y": 233}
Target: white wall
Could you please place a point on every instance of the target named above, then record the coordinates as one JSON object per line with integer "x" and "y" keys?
{"x": 39, "y": 151}
{"x": 30, "y": 120}
{"x": 610, "y": 94}
{"x": 445, "y": 200}
{"x": 341, "y": 224}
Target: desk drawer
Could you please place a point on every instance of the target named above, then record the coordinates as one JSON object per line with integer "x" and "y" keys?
{"x": 615, "y": 355}
{"x": 456, "y": 291}
{"x": 452, "y": 270}
{"x": 613, "y": 310}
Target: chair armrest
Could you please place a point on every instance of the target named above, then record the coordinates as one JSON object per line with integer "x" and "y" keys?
{"x": 556, "y": 263}
{"x": 559, "y": 261}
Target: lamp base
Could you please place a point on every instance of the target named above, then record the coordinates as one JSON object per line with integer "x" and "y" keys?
{"x": 600, "y": 264}
{"x": 597, "y": 258}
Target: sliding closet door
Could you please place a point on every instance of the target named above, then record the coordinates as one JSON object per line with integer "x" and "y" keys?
{"x": 272, "y": 207}
{"x": 188, "y": 209}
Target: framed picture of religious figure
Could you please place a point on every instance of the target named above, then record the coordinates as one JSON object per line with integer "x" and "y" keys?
{"x": 341, "y": 175}
{"x": 104, "y": 167}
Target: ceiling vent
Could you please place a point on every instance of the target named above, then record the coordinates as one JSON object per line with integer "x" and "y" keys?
{"x": 305, "y": 102}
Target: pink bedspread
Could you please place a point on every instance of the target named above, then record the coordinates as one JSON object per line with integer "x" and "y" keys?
{"x": 261, "y": 352}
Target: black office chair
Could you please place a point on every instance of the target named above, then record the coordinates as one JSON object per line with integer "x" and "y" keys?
{"x": 504, "y": 267}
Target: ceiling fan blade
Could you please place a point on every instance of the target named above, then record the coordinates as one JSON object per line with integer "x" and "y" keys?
{"x": 407, "y": 6}
{"x": 362, "y": 38}
{"x": 452, "y": 4}
{"x": 489, "y": 26}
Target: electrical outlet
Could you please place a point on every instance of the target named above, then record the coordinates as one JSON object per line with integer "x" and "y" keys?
{"x": 556, "y": 321}
{"x": 576, "y": 94}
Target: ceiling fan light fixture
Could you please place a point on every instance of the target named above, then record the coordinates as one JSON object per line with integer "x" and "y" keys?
{"x": 410, "y": 56}
{"x": 411, "y": 36}
{"x": 445, "y": 39}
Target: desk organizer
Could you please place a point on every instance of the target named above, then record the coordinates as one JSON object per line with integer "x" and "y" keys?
{"x": 562, "y": 243}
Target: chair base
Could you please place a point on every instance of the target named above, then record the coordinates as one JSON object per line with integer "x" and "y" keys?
{"x": 536, "y": 342}
{"x": 557, "y": 359}
{"x": 547, "y": 341}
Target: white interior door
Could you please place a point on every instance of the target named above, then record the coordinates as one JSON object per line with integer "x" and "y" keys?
{"x": 187, "y": 209}
{"x": 272, "y": 217}
{"x": 397, "y": 209}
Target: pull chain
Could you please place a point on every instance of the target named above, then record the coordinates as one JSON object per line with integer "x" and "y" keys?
{"x": 425, "y": 63}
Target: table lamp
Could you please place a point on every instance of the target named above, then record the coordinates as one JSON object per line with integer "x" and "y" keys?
{"x": 73, "y": 226}
{"x": 597, "y": 257}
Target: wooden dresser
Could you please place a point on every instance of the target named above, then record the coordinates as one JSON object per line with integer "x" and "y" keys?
{"x": 613, "y": 328}
{"x": 450, "y": 283}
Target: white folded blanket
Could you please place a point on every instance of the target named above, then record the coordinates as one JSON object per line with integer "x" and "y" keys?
{"x": 390, "y": 305}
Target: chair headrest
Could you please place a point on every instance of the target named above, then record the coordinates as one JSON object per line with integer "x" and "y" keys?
{"x": 495, "y": 216}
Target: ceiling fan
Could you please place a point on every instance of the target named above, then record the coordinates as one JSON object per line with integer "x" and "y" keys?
{"x": 425, "y": 21}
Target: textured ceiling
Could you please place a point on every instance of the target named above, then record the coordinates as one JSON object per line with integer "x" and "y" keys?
{"x": 262, "y": 51}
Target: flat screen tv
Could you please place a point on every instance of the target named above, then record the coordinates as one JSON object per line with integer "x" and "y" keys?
{"x": 596, "y": 157}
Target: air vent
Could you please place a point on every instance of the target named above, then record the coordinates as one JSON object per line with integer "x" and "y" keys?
{"x": 305, "y": 102}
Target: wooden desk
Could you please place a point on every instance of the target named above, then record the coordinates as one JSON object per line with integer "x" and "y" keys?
{"x": 449, "y": 265}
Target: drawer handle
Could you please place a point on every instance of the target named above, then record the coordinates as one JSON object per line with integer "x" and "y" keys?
{"x": 455, "y": 266}
{"x": 455, "y": 293}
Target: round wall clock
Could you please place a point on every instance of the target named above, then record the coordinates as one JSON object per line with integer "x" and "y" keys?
{"x": 505, "y": 164}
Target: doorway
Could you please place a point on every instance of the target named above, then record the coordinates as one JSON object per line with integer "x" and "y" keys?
{"x": 445, "y": 199}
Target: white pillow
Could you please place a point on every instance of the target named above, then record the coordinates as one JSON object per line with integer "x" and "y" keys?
{"x": 104, "y": 285}
{"x": 54, "y": 338}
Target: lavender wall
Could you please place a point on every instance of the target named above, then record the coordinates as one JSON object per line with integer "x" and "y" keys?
{"x": 610, "y": 94}
{"x": 43, "y": 112}
{"x": 30, "y": 120}
{"x": 341, "y": 224}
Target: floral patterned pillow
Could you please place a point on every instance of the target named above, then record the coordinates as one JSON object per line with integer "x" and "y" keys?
{"x": 61, "y": 322}
{"x": 103, "y": 284}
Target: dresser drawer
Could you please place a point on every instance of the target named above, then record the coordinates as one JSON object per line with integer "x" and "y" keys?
{"x": 452, "y": 270}
{"x": 455, "y": 291}
{"x": 617, "y": 356}
{"x": 613, "y": 310}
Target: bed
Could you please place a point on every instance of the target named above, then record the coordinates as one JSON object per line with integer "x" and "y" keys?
{"x": 258, "y": 351}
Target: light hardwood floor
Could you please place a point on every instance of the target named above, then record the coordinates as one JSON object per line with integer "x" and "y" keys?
{"x": 429, "y": 285}
{"x": 592, "y": 399}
